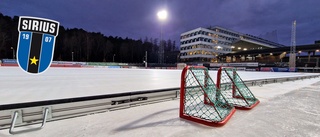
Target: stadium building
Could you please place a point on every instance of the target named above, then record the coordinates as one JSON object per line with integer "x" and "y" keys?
{"x": 205, "y": 44}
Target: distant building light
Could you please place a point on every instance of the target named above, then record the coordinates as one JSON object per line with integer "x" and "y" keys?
{"x": 259, "y": 55}
{"x": 317, "y": 50}
{"x": 271, "y": 54}
{"x": 232, "y": 47}
{"x": 299, "y": 51}
{"x": 244, "y": 48}
{"x": 239, "y": 47}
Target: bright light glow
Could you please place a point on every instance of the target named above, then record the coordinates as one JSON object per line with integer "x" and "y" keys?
{"x": 232, "y": 47}
{"x": 244, "y": 48}
{"x": 162, "y": 15}
{"x": 239, "y": 47}
{"x": 299, "y": 51}
{"x": 317, "y": 50}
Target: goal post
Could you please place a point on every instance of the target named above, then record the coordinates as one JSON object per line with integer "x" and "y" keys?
{"x": 234, "y": 89}
{"x": 200, "y": 100}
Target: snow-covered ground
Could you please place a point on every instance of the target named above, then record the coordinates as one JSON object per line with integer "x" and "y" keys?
{"x": 286, "y": 109}
{"x": 56, "y": 83}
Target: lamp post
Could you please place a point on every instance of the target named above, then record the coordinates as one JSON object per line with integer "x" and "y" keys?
{"x": 146, "y": 63}
{"x": 162, "y": 16}
{"x": 72, "y": 55}
{"x": 13, "y": 56}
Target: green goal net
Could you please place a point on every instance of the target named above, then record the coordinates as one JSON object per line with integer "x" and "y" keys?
{"x": 200, "y": 100}
{"x": 234, "y": 89}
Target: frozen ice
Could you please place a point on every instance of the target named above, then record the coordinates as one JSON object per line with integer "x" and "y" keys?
{"x": 286, "y": 109}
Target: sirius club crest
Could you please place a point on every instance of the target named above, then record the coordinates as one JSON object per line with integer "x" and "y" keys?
{"x": 35, "y": 48}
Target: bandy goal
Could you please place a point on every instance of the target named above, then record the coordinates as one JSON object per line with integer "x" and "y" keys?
{"x": 200, "y": 100}
{"x": 234, "y": 89}
{"x": 203, "y": 101}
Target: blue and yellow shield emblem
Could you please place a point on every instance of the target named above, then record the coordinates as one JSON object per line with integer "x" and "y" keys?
{"x": 36, "y": 42}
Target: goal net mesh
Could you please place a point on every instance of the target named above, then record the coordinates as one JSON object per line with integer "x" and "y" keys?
{"x": 200, "y": 100}
{"x": 234, "y": 89}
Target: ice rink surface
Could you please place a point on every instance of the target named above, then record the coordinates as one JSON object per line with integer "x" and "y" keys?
{"x": 286, "y": 109}
{"x": 17, "y": 86}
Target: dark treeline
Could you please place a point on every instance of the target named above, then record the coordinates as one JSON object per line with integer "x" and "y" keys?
{"x": 79, "y": 45}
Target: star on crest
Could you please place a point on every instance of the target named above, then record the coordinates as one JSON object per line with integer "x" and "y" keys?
{"x": 33, "y": 60}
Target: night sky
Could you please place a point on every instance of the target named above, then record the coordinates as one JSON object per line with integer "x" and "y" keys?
{"x": 138, "y": 18}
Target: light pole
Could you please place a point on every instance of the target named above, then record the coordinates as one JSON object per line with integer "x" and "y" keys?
{"x": 162, "y": 16}
{"x": 113, "y": 57}
{"x": 13, "y": 56}
{"x": 72, "y": 55}
{"x": 146, "y": 63}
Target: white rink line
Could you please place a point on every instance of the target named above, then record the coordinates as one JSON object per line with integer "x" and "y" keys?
{"x": 17, "y": 86}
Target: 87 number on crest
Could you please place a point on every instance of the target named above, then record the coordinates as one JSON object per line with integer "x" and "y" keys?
{"x": 47, "y": 39}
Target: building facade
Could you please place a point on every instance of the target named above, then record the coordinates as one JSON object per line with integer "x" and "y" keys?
{"x": 206, "y": 44}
